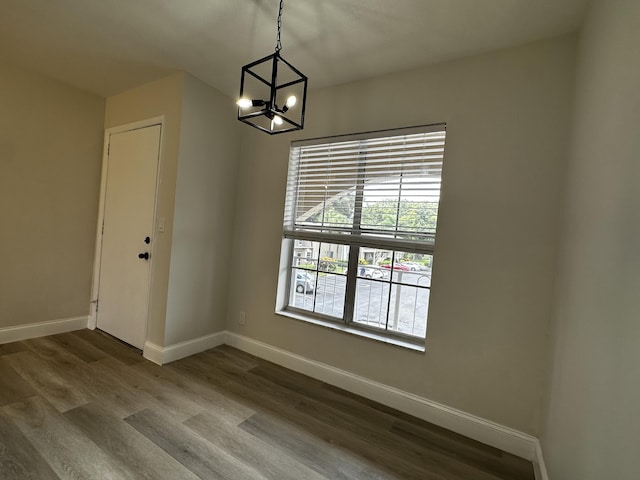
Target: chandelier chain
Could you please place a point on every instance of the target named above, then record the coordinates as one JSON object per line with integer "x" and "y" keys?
{"x": 278, "y": 42}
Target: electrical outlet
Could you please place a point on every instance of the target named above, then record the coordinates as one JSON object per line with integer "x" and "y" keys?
{"x": 242, "y": 318}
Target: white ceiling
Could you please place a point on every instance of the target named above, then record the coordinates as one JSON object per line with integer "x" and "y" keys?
{"x": 107, "y": 46}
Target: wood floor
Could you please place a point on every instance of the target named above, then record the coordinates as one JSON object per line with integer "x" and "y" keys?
{"x": 83, "y": 406}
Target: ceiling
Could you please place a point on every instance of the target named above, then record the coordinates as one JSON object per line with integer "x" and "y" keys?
{"x": 108, "y": 46}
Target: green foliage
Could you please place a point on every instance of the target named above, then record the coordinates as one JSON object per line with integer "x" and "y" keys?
{"x": 338, "y": 212}
{"x": 408, "y": 215}
{"x": 328, "y": 264}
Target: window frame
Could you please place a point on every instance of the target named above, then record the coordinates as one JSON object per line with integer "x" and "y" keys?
{"x": 354, "y": 241}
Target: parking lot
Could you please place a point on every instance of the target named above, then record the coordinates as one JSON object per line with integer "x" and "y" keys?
{"x": 407, "y": 305}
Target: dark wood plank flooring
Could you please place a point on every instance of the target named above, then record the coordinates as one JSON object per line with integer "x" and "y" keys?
{"x": 83, "y": 405}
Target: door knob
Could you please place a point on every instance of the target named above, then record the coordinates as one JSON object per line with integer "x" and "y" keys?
{"x": 144, "y": 255}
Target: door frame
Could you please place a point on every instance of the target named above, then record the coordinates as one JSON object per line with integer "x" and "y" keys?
{"x": 95, "y": 283}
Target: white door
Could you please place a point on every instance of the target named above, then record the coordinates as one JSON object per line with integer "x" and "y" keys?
{"x": 123, "y": 293}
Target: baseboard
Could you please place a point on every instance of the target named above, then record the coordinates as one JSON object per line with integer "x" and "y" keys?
{"x": 42, "y": 329}
{"x": 538, "y": 464}
{"x": 153, "y": 353}
{"x": 484, "y": 431}
{"x": 171, "y": 353}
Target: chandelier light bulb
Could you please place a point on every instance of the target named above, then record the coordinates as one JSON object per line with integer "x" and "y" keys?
{"x": 244, "y": 103}
{"x": 291, "y": 101}
{"x": 277, "y": 120}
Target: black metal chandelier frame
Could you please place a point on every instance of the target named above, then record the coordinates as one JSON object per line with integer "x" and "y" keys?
{"x": 276, "y": 114}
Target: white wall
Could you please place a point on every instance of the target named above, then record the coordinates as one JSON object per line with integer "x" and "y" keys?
{"x": 198, "y": 165}
{"x": 592, "y": 431}
{"x": 50, "y": 156}
{"x": 508, "y": 121}
{"x": 203, "y": 214}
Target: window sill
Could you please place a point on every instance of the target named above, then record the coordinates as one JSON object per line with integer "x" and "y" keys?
{"x": 398, "y": 342}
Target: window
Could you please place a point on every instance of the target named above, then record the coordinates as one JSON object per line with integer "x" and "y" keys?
{"x": 365, "y": 208}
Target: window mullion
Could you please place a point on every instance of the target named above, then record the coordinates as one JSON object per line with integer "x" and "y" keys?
{"x": 350, "y": 294}
{"x": 391, "y": 270}
{"x": 360, "y": 180}
{"x": 354, "y": 250}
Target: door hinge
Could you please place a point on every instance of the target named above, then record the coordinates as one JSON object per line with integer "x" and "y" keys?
{"x": 108, "y": 149}
{"x": 103, "y": 227}
{"x": 97, "y": 303}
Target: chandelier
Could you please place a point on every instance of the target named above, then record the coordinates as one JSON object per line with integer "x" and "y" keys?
{"x": 273, "y": 92}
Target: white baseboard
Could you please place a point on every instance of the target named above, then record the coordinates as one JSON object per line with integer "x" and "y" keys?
{"x": 484, "y": 431}
{"x": 538, "y": 464}
{"x": 164, "y": 355}
{"x": 41, "y": 329}
{"x": 153, "y": 352}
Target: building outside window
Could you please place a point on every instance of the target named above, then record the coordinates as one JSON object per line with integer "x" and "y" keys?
{"x": 359, "y": 231}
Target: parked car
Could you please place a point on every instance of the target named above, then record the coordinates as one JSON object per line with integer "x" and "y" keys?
{"x": 413, "y": 266}
{"x": 396, "y": 266}
{"x": 304, "y": 282}
{"x": 371, "y": 272}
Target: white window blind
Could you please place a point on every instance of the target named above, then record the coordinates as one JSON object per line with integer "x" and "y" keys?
{"x": 381, "y": 190}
